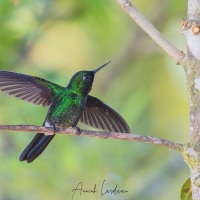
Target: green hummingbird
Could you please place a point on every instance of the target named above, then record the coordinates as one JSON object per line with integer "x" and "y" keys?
{"x": 68, "y": 105}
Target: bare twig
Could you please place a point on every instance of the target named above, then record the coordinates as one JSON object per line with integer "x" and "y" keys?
{"x": 97, "y": 134}
{"x": 143, "y": 22}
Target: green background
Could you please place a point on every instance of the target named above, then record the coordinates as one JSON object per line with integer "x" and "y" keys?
{"x": 55, "y": 39}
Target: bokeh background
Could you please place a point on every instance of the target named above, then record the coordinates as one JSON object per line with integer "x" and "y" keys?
{"x": 55, "y": 39}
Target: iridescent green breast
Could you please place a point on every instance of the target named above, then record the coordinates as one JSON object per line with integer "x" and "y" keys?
{"x": 67, "y": 108}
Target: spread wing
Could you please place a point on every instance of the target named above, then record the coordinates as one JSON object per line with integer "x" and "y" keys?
{"x": 99, "y": 115}
{"x": 28, "y": 88}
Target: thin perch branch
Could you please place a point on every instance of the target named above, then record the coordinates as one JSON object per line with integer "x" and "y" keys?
{"x": 97, "y": 134}
{"x": 143, "y": 22}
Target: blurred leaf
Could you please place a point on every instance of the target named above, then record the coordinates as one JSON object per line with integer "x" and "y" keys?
{"x": 186, "y": 191}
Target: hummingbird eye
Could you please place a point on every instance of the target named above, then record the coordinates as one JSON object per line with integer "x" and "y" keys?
{"x": 85, "y": 78}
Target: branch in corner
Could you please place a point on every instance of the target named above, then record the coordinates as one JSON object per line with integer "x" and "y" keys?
{"x": 143, "y": 22}
{"x": 98, "y": 134}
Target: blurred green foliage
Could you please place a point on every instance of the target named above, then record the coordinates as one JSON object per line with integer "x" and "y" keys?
{"x": 55, "y": 39}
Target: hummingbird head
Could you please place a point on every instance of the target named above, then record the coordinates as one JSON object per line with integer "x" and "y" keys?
{"x": 81, "y": 82}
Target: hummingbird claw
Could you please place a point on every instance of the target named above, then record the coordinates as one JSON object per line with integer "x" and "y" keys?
{"x": 55, "y": 129}
{"x": 78, "y": 130}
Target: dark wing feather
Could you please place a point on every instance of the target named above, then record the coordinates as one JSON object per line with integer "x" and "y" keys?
{"x": 99, "y": 115}
{"x": 28, "y": 88}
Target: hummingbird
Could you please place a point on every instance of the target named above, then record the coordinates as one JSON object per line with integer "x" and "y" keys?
{"x": 67, "y": 105}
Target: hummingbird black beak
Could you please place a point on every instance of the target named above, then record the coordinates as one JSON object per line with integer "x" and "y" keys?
{"x": 96, "y": 70}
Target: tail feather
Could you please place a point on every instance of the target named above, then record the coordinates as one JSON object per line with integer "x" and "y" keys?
{"x": 36, "y": 147}
{"x": 31, "y": 145}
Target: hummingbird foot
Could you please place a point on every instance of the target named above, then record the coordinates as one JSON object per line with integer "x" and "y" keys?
{"x": 51, "y": 125}
{"x": 78, "y": 130}
{"x": 54, "y": 128}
